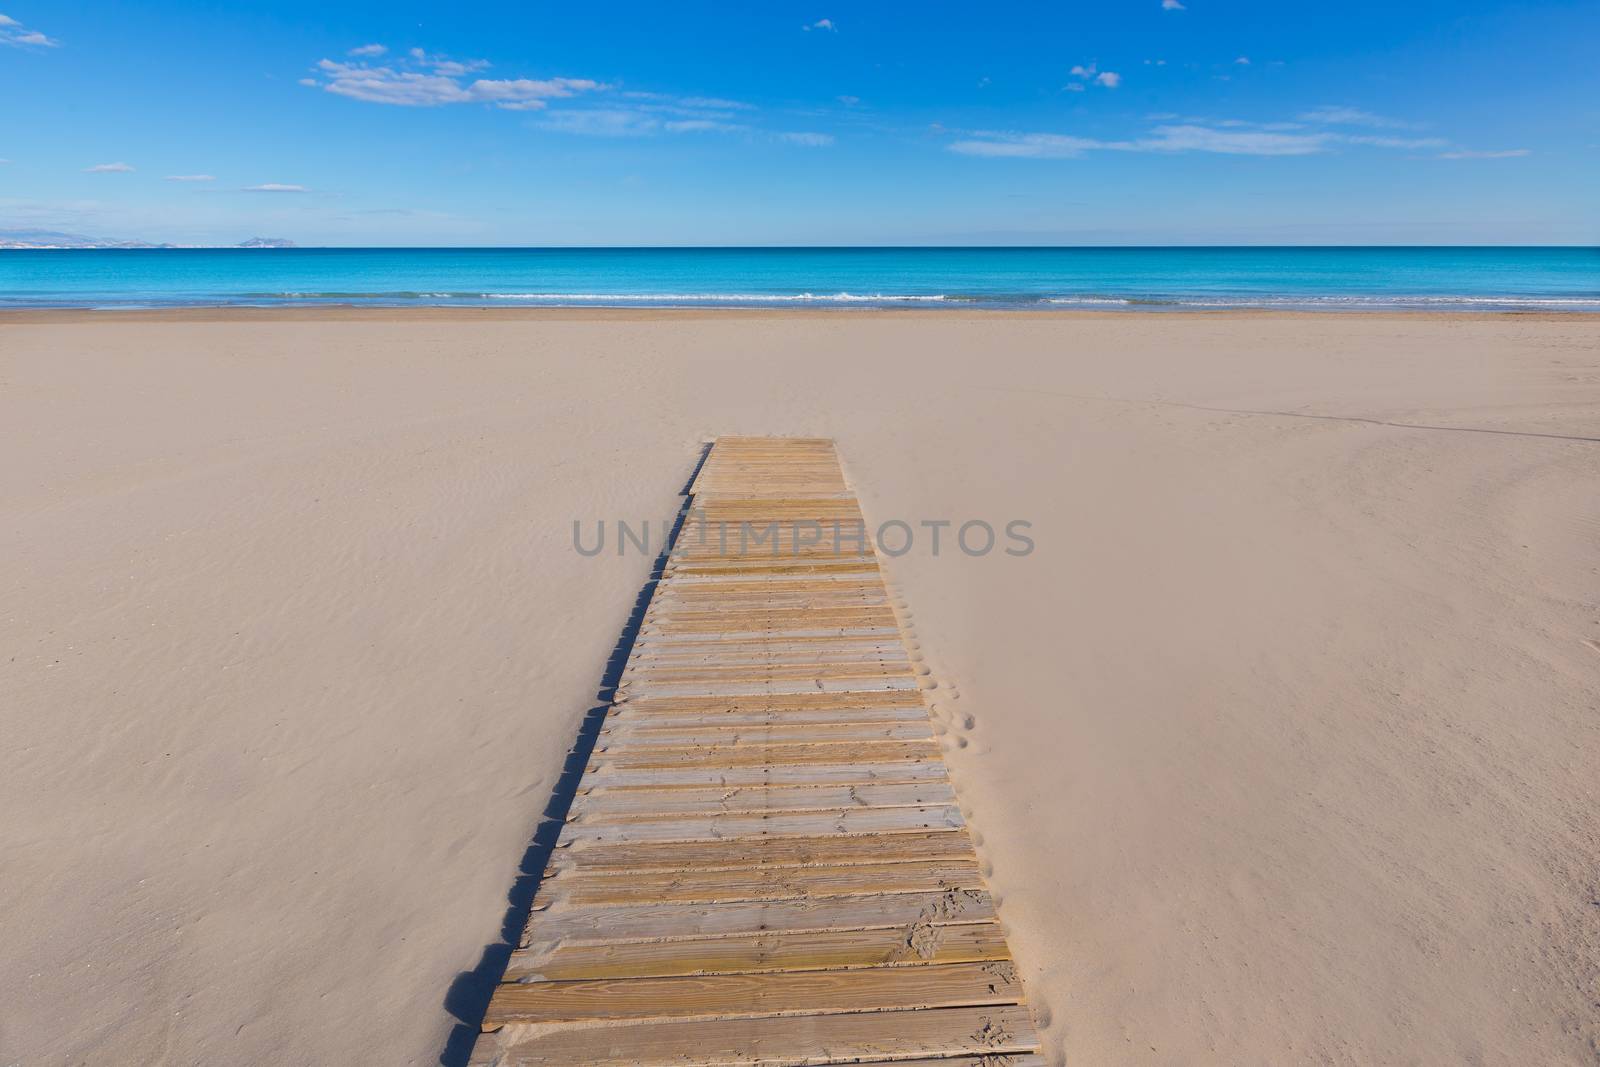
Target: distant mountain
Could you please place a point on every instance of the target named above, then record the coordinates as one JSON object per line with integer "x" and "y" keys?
{"x": 57, "y": 239}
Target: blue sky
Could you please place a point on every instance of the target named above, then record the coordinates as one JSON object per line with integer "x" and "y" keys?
{"x": 1134, "y": 121}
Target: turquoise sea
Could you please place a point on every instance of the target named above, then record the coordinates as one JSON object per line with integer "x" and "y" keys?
{"x": 1343, "y": 278}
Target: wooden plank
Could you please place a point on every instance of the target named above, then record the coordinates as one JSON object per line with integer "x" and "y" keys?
{"x": 769, "y": 755}
{"x": 850, "y": 773}
{"x": 747, "y": 825}
{"x": 699, "y": 704}
{"x": 911, "y": 945}
{"x": 603, "y": 805}
{"x": 733, "y": 885}
{"x": 634, "y": 738}
{"x": 621, "y": 715}
{"x": 832, "y": 851}
{"x": 586, "y": 924}
{"x": 786, "y": 993}
{"x": 762, "y": 672}
{"x": 785, "y": 1041}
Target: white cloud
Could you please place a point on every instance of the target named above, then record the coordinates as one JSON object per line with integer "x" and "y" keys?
{"x": 276, "y": 187}
{"x": 1394, "y": 142}
{"x": 1335, "y": 115}
{"x": 16, "y": 35}
{"x": 1172, "y": 5}
{"x": 1242, "y": 61}
{"x": 108, "y": 168}
{"x": 806, "y": 139}
{"x": 190, "y": 178}
{"x": 1026, "y": 145}
{"x": 441, "y": 81}
{"x": 714, "y": 103}
{"x": 820, "y": 24}
{"x": 849, "y": 101}
{"x": 601, "y": 122}
{"x": 1174, "y": 134}
{"x": 1232, "y": 141}
{"x": 1092, "y": 74}
{"x": 1509, "y": 153}
{"x": 1169, "y": 138}
{"x": 646, "y": 114}
{"x": 702, "y": 126}
{"x": 367, "y": 51}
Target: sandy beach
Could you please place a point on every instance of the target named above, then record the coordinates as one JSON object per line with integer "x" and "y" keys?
{"x": 1283, "y": 742}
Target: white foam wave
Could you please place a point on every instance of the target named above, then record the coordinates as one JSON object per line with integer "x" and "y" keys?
{"x": 720, "y": 298}
{"x": 1390, "y": 301}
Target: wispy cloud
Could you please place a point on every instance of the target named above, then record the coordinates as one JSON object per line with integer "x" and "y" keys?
{"x": 702, "y": 126}
{"x": 848, "y": 101}
{"x": 601, "y": 122}
{"x": 191, "y": 178}
{"x": 1232, "y": 142}
{"x": 694, "y": 107}
{"x": 820, "y": 24}
{"x": 1242, "y": 61}
{"x": 275, "y": 187}
{"x": 713, "y": 103}
{"x": 637, "y": 113}
{"x": 17, "y": 35}
{"x": 1466, "y": 153}
{"x": 806, "y": 139}
{"x": 1191, "y": 134}
{"x": 367, "y": 51}
{"x": 109, "y": 168}
{"x": 1025, "y": 145}
{"x": 1337, "y": 115}
{"x": 421, "y": 79}
{"x": 1394, "y": 142}
{"x": 1172, "y": 5}
{"x": 1091, "y": 74}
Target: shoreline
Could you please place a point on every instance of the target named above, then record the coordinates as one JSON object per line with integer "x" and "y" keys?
{"x": 440, "y": 313}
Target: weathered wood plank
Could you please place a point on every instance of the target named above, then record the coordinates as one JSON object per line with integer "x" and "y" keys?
{"x": 786, "y": 1041}
{"x": 748, "y": 825}
{"x": 771, "y": 702}
{"x": 783, "y": 993}
{"x": 759, "y": 883}
{"x": 627, "y": 736}
{"x": 604, "y": 805}
{"x": 831, "y": 851}
{"x": 802, "y": 774}
{"x": 582, "y": 924}
{"x": 911, "y": 945}
{"x": 761, "y": 672}
{"x": 769, "y": 755}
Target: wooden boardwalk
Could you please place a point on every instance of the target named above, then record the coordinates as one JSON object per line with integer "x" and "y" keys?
{"x": 765, "y": 863}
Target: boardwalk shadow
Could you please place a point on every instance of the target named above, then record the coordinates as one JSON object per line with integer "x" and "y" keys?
{"x": 468, "y": 996}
